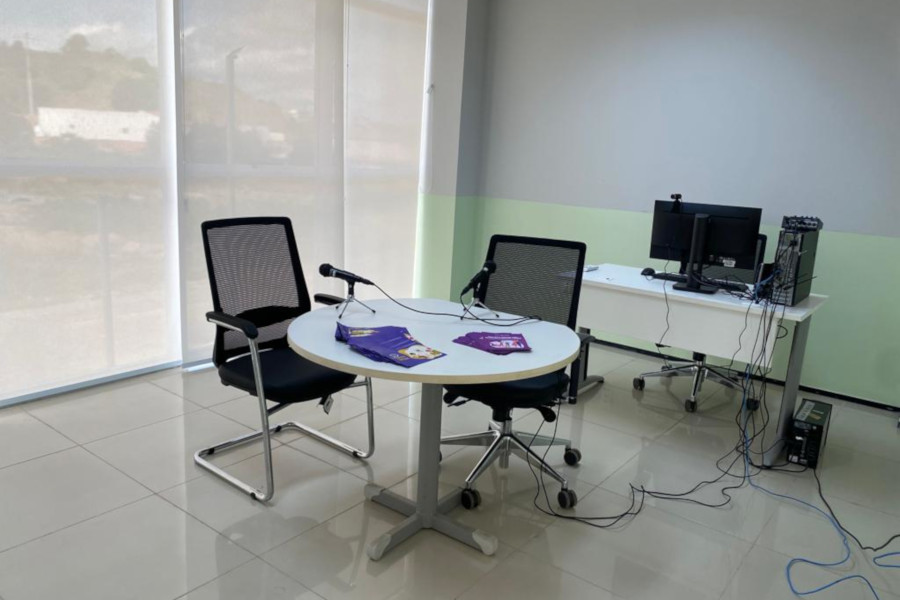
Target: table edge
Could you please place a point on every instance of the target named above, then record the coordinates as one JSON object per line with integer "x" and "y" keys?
{"x": 412, "y": 377}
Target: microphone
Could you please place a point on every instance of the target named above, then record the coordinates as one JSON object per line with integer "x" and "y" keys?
{"x": 326, "y": 270}
{"x": 485, "y": 272}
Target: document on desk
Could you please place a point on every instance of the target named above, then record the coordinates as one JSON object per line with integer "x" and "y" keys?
{"x": 389, "y": 344}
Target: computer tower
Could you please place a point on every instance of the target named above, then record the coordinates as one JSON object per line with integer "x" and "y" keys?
{"x": 809, "y": 431}
{"x": 795, "y": 260}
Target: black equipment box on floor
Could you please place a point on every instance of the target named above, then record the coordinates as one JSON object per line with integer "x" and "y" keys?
{"x": 808, "y": 433}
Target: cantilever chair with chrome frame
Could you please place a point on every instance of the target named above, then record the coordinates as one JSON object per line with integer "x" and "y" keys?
{"x": 534, "y": 277}
{"x": 257, "y": 289}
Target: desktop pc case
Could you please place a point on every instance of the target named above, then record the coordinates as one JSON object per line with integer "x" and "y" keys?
{"x": 809, "y": 432}
{"x": 795, "y": 258}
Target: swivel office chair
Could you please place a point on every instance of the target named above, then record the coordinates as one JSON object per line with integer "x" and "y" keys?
{"x": 257, "y": 289}
{"x": 534, "y": 277}
{"x": 698, "y": 368}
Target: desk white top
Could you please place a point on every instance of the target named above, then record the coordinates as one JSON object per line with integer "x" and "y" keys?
{"x": 553, "y": 346}
{"x": 629, "y": 279}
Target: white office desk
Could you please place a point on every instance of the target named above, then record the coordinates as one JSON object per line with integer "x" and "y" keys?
{"x": 619, "y": 300}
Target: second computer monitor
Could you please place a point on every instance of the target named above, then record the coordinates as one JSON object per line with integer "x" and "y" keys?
{"x": 731, "y": 234}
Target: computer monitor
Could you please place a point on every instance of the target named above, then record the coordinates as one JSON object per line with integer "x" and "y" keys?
{"x": 697, "y": 235}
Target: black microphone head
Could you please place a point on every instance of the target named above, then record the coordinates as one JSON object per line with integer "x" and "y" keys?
{"x": 490, "y": 266}
{"x": 325, "y": 270}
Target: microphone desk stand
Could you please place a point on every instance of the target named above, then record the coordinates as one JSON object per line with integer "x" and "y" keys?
{"x": 351, "y": 298}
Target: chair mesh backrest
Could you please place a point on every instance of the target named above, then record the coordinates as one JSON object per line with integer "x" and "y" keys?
{"x": 535, "y": 277}
{"x": 254, "y": 273}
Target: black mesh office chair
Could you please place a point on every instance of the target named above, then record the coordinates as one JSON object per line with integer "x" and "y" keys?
{"x": 257, "y": 290}
{"x": 534, "y": 277}
{"x": 697, "y": 368}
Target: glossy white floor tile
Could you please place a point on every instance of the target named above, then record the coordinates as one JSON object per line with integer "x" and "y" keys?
{"x": 146, "y": 550}
{"x": 22, "y": 437}
{"x": 162, "y": 455}
{"x": 254, "y": 580}
{"x": 624, "y": 411}
{"x": 866, "y": 479}
{"x": 521, "y": 577}
{"x": 659, "y": 468}
{"x": 246, "y": 412}
{"x": 48, "y": 493}
{"x": 99, "y": 498}
{"x": 396, "y": 447}
{"x": 89, "y": 415}
{"x": 385, "y": 391}
{"x": 656, "y": 555}
{"x": 603, "y": 450}
{"x": 882, "y": 434}
{"x": 761, "y": 577}
{"x": 331, "y": 560}
{"x": 797, "y": 531}
{"x": 308, "y": 492}
{"x": 202, "y": 387}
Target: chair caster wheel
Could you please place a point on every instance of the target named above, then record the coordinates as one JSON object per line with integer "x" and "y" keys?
{"x": 567, "y": 498}
{"x": 470, "y": 498}
{"x": 572, "y": 456}
{"x": 690, "y": 405}
{"x": 638, "y": 383}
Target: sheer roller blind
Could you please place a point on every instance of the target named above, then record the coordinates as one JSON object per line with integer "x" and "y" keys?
{"x": 308, "y": 109}
{"x": 88, "y": 285}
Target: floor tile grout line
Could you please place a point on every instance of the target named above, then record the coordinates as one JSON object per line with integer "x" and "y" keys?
{"x": 683, "y": 519}
{"x": 218, "y": 576}
{"x": 301, "y": 435}
{"x": 153, "y": 383}
{"x": 853, "y": 556}
{"x": 106, "y": 437}
{"x": 76, "y": 523}
{"x": 28, "y": 460}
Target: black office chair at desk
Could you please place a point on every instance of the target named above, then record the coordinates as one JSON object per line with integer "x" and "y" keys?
{"x": 534, "y": 277}
{"x": 257, "y": 290}
{"x": 698, "y": 369}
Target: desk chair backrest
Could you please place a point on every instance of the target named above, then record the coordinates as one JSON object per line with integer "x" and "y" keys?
{"x": 535, "y": 277}
{"x": 254, "y": 273}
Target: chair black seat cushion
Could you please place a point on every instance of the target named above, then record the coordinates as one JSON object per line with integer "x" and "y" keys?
{"x": 287, "y": 376}
{"x": 523, "y": 393}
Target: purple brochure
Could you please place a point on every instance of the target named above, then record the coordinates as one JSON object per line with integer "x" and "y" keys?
{"x": 495, "y": 343}
{"x": 387, "y": 344}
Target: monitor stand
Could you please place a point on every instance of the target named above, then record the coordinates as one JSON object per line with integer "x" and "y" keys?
{"x": 694, "y": 268}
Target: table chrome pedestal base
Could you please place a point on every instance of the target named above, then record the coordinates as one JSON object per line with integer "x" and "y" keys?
{"x": 427, "y": 511}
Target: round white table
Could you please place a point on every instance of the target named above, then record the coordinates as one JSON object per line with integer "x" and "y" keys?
{"x": 553, "y": 347}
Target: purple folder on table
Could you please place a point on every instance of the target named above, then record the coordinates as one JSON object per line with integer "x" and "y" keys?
{"x": 495, "y": 343}
{"x": 386, "y": 344}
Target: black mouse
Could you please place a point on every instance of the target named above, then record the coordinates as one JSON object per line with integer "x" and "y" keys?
{"x": 648, "y": 272}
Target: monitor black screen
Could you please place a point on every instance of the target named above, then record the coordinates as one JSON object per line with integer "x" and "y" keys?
{"x": 731, "y": 236}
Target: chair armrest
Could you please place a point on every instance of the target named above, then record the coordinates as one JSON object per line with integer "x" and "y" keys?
{"x": 586, "y": 338}
{"x": 233, "y": 323}
{"x": 327, "y": 299}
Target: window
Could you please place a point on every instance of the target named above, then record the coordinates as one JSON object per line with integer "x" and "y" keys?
{"x": 87, "y": 269}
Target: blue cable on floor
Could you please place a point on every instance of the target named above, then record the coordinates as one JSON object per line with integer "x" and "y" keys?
{"x": 793, "y": 561}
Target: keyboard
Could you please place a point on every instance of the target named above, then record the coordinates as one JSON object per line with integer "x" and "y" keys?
{"x": 725, "y": 285}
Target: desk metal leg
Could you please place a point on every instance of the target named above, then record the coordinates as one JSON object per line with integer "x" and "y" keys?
{"x": 791, "y": 387}
{"x": 427, "y": 511}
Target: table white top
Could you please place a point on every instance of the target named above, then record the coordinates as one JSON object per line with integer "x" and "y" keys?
{"x": 553, "y": 346}
{"x": 629, "y": 279}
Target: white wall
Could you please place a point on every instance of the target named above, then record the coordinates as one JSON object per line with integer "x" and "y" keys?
{"x": 792, "y": 105}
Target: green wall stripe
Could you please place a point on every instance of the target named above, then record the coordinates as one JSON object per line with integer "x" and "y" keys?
{"x": 854, "y": 343}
